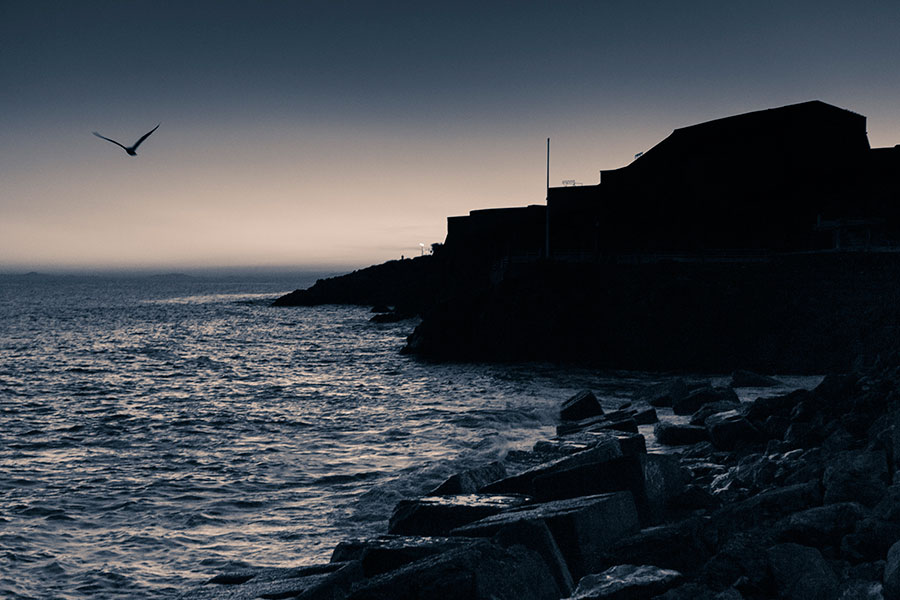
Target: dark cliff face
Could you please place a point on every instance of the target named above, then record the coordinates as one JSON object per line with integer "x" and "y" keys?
{"x": 410, "y": 285}
{"x": 802, "y": 313}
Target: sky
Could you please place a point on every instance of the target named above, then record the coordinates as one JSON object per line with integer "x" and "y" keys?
{"x": 344, "y": 133}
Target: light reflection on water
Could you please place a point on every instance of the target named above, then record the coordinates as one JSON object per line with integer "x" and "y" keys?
{"x": 212, "y": 298}
{"x": 154, "y": 432}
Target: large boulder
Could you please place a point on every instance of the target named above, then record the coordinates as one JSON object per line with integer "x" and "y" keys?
{"x": 673, "y": 546}
{"x": 892, "y": 573}
{"x": 389, "y": 552}
{"x": 584, "y": 528}
{"x": 856, "y": 589}
{"x": 727, "y": 430}
{"x": 801, "y": 573}
{"x": 626, "y": 582}
{"x": 855, "y": 476}
{"x": 653, "y": 480}
{"x": 870, "y": 541}
{"x": 888, "y": 509}
{"x": 625, "y": 424}
{"x": 739, "y": 561}
{"x": 616, "y": 474}
{"x": 570, "y": 427}
{"x": 606, "y": 449}
{"x": 482, "y": 571}
{"x": 620, "y": 420}
{"x": 820, "y": 526}
{"x": 762, "y": 509}
{"x": 692, "y": 498}
{"x": 675, "y": 434}
{"x": 708, "y": 410}
{"x": 666, "y": 394}
{"x": 621, "y": 414}
{"x": 664, "y": 481}
{"x": 437, "y": 515}
{"x": 557, "y": 448}
{"x": 801, "y": 434}
{"x": 582, "y": 405}
{"x": 692, "y": 402}
{"x": 778, "y": 406}
{"x": 316, "y": 581}
{"x": 629, "y": 443}
{"x": 646, "y": 416}
{"x": 774, "y": 427}
{"x": 535, "y": 535}
{"x": 470, "y": 480}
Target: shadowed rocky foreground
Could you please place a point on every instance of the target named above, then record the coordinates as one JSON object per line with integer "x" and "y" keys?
{"x": 790, "y": 496}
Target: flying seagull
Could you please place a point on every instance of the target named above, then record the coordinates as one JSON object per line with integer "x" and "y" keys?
{"x": 131, "y": 150}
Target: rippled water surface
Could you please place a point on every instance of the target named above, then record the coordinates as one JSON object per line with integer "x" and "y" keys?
{"x": 154, "y": 431}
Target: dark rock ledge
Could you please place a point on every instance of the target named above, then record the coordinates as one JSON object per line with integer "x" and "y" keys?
{"x": 792, "y": 496}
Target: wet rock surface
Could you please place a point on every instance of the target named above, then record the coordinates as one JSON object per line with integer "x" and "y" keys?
{"x": 583, "y": 527}
{"x": 438, "y": 515}
{"x": 470, "y": 480}
{"x": 788, "y": 496}
{"x": 695, "y": 399}
{"x": 483, "y": 571}
{"x": 390, "y": 552}
{"x": 801, "y": 573}
{"x": 624, "y": 582}
{"x": 672, "y": 434}
{"x": 321, "y": 581}
{"x": 582, "y": 405}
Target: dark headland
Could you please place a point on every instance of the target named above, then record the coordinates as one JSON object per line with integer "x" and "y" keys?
{"x": 768, "y": 241}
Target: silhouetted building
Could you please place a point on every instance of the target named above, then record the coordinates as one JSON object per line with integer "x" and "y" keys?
{"x": 795, "y": 178}
{"x": 492, "y": 233}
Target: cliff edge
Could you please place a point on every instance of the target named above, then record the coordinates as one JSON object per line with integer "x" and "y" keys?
{"x": 408, "y": 285}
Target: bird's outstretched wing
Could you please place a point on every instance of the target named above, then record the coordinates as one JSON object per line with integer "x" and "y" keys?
{"x": 144, "y": 137}
{"x": 109, "y": 140}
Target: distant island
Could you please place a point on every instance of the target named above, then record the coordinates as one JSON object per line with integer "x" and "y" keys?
{"x": 768, "y": 240}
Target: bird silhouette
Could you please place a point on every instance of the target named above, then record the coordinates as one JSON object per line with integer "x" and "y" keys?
{"x": 130, "y": 150}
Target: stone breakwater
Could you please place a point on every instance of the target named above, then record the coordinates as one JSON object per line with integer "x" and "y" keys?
{"x": 791, "y": 496}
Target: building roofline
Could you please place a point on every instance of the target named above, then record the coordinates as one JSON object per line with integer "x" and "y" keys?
{"x": 680, "y": 132}
{"x": 766, "y": 111}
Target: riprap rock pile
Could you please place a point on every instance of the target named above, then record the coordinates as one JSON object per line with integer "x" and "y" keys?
{"x": 790, "y": 496}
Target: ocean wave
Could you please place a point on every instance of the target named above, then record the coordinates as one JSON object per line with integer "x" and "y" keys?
{"x": 347, "y": 478}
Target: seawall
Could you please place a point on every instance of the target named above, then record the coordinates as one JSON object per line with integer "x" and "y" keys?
{"x": 800, "y": 313}
{"x": 791, "y": 313}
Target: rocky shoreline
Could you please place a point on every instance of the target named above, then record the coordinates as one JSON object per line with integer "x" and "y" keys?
{"x": 788, "y": 496}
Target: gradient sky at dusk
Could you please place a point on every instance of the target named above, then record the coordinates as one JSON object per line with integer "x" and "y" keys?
{"x": 344, "y": 133}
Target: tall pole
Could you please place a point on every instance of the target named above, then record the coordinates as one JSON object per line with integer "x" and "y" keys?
{"x": 548, "y": 167}
{"x": 547, "y": 210}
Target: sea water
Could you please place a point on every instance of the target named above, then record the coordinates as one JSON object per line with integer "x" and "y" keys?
{"x": 157, "y": 430}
